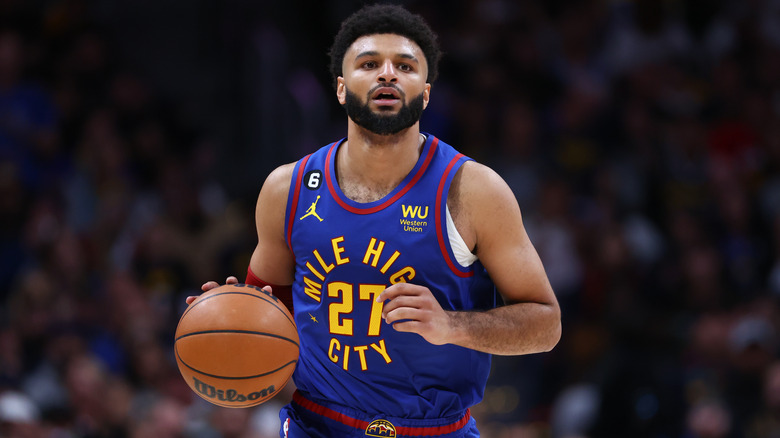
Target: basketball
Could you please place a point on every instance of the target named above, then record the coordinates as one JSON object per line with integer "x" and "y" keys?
{"x": 236, "y": 345}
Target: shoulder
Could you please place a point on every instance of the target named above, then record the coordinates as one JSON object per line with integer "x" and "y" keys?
{"x": 478, "y": 199}
{"x": 271, "y": 204}
{"x": 280, "y": 177}
{"x": 277, "y": 185}
{"x": 279, "y": 181}
{"x": 476, "y": 185}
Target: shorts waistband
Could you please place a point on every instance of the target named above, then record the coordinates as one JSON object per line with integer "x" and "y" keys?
{"x": 379, "y": 423}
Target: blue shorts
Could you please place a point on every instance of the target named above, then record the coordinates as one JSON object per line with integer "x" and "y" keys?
{"x": 303, "y": 418}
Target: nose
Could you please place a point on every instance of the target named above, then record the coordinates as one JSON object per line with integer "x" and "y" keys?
{"x": 387, "y": 73}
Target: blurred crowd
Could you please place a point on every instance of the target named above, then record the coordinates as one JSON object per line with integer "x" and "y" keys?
{"x": 640, "y": 137}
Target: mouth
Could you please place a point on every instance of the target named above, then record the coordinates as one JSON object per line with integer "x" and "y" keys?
{"x": 386, "y": 96}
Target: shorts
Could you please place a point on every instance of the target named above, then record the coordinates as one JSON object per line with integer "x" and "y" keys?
{"x": 303, "y": 418}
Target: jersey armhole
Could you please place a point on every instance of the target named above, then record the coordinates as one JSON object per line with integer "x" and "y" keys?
{"x": 292, "y": 200}
{"x": 442, "y": 227}
{"x": 460, "y": 250}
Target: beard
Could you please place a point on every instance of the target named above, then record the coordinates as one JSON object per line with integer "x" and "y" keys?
{"x": 361, "y": 114}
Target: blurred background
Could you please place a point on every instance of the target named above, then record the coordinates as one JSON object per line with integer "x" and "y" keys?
{"x": 641, "y": 138}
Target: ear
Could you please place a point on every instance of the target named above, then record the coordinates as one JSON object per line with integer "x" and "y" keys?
{"x": 341, "y": 90}
{"x": 426, "y": 95}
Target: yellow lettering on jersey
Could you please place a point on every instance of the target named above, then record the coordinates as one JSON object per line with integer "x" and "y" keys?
{"x": 414, "y": 211}
{"x": 312, "y": 289}
{"x": 373, "y": 250}
{"x": 335, "y": 348}
{"x": 326, "y": 268}
{"x": 337, "y": 250}
{"x": 346, "y": 358}
{"x": 334, "y": 345}
{"x": 403, "y": 276}
{"x": 389, "y": 262}
{"x": 409, "y": 210}
{"x": 314, "y": 271}
{"x": 369, "y": 292}
{"x": 381, "y": 349}
{"x": 361, "y": 350}
{"x": 338, "y": 324}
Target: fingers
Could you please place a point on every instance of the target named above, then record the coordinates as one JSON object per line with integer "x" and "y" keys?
{"x": 408, "y": 326}
{"x": 207, "y": 286}
{"x": 426, "y": 322}
{"x": 404, "y": 313}
{"x": 406, "y": 303}
{"x": 399, "y": 289}
{"x": 414, "y": 309}
{"x": 401, "y": 303}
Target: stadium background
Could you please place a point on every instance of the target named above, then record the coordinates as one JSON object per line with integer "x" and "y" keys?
{"x": 641, "y": 138}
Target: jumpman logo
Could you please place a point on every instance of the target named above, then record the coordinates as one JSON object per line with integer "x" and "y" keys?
{"x": 312, "y": 211}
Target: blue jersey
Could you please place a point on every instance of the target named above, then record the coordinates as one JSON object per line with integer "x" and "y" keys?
{"x": 346, "y": 254}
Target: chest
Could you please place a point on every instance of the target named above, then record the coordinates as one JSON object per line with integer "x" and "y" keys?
{"x": 362, "y": 193}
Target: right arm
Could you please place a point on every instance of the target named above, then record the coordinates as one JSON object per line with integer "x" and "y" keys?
{"x": 272, "y": 260}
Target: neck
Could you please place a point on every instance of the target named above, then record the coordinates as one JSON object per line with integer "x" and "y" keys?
{"x": 369, "y": 166}
{"x": 408, "y": 138}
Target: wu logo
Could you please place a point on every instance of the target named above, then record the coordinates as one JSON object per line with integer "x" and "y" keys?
{"x": 415, "y": 211}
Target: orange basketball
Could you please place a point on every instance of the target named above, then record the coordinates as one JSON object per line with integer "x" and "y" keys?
{"x": 236, "y": 345}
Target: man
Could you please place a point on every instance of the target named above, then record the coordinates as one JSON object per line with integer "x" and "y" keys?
{"x": 388, "y": 244}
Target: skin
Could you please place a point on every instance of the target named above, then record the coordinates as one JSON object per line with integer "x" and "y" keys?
{"x": 483, "y": 207}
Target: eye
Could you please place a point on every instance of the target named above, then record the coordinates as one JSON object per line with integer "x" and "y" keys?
{"x": 369, "y": 64}
{"x": 405, "y": 67}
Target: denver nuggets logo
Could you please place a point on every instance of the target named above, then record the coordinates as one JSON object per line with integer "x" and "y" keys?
{"x": 381, "y": 428}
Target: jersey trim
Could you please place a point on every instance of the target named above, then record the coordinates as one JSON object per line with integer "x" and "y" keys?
{"x": 446, "y": 178}
{"x": 347, "y": 204}
{"x": 413, "y": 431}
{"x": 292, "y": 203}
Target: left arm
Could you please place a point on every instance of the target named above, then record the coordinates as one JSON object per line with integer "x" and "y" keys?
{"x": 488, "y": 217}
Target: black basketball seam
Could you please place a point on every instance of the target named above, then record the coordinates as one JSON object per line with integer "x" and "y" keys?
{"x": 243, "y": 293}
{"x": 245, "y": 332}
{"x": 176, "y": 349}
{"x": 233, "y": 293}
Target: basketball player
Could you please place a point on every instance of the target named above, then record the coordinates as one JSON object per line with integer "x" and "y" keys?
{"x": 406, "y": 263}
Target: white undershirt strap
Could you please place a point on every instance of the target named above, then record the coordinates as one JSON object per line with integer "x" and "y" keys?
{"x": 462, "y": 253}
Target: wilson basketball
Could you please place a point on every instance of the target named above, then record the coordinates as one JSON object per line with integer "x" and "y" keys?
{"x": 236, "y": 345}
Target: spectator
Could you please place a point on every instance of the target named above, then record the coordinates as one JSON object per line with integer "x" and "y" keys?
{"x": 641, "y": 137}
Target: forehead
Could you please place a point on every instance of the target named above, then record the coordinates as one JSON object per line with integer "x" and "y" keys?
{"x": 385, "y": 44}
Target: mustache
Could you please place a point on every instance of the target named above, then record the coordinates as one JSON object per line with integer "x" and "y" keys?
{"x": 393, "y": 86}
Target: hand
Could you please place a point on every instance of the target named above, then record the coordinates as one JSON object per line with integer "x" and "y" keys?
{"x": 414, "y": 309}
{"x": 207, "y": 286}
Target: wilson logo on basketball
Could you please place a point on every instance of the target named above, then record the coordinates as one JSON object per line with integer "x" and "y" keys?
{"x": 381, "y": 428}
{"x": 230, "y": 395}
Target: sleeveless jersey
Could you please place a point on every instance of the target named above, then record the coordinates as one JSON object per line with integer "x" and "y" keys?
{"x": 346, "y": 253}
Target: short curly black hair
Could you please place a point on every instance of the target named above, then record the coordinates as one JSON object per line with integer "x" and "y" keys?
{"x": 384, "y": 18}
